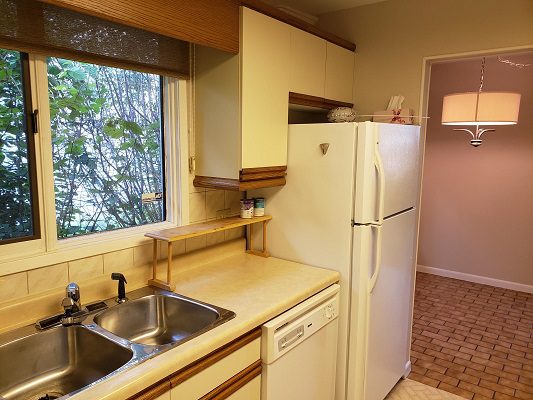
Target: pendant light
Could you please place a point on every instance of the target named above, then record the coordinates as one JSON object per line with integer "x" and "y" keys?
{"x": 480, "y": 109}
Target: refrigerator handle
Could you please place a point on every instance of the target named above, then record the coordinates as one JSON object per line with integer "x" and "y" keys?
{"x": 377, "y": 258}
{"x": 378, "y": 162}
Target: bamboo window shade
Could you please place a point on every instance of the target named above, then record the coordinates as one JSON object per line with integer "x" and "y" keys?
{"x": 32, "y": 26}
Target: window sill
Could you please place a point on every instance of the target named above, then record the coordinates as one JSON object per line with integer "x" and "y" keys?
{"x": 82, "y": 247}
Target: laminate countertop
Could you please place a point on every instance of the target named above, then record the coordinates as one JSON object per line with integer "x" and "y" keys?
{"x": 257, "y": 289}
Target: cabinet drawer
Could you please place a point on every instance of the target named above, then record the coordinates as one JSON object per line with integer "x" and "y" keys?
{"x": 209, "y": 378}
{"x": 250, "y": 391}
{"x": 164, "y": 396}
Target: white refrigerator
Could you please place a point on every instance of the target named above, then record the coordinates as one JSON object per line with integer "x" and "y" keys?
{"x": 349, "y": 205}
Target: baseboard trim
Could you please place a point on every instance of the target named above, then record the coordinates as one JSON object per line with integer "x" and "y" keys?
{"x": 520, "y": 287}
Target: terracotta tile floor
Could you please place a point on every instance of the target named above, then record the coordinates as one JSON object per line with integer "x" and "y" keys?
{"x": 472, "y": 340}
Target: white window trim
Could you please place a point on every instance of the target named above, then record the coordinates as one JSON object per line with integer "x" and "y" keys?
{"x": 48, "y": 250}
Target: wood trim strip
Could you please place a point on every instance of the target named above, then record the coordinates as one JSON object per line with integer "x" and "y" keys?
{"x": 244, "y": 186}
{"x": 282, "y": 16}
{"x": 205, "y": 362}
{"x": 235, "y": 185}
{"x": 317, "y": 102}
{"x": 216, "y": 183}
{"x": 263, "y": 169}
{"x": 234, "y": 383}
{"x": 153, "y": 392}
{"x": 262, "y": 175}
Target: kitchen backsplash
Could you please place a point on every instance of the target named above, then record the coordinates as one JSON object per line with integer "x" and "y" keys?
{"x": 135, "y": 262}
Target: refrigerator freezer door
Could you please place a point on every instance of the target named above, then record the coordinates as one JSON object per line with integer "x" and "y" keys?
{"x": 398, "y": 146}
{"x": 389, "y": 307}
{"x": 312, "y": 212}
{"x": 387, "y": 154}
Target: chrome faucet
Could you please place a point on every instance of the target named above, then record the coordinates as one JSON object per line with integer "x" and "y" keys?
{"x": 71, "y": 303}
{"x": 74, "y": 312}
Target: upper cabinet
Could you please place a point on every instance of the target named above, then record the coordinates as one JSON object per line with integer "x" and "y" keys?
{"x": 265, "y": 54}
{"x": 242, "y": 101}
{"x": 241, "y": 108}
{"x": 307, "y": 63}
{"x": 320, "y": 69}
{"x": 339, "y": 73}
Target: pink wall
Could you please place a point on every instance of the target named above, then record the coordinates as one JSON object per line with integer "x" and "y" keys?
{"x": 477, "y": 203}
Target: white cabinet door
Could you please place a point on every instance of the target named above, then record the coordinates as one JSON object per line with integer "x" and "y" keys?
{"x": 340, "y": 64}
{"x": 308, "y": 63}
{"x": 265, "y": 64}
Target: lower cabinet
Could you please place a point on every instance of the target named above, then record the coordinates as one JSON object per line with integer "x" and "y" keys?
{"x": 231, "y": 372}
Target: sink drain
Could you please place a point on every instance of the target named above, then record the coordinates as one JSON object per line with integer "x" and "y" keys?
{"x": 49, "y": 396}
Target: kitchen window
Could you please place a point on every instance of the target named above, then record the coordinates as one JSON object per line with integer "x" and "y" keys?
{"x": 107, "y": 147}
{"x": 19, "y": 219}
{"x": 97, "y": 152}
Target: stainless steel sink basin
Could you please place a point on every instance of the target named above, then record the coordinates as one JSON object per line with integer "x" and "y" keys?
{"x": 56, "y": 362}
{"x": 159, "y": 319}
{"x": 59, "y": 361}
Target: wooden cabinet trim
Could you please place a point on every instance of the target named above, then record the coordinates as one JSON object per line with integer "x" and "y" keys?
{"x": 255, "y": 174}
{"x": 262, "y": 183}
{"x": 153, "y": 392}
{"x": 281, "y": 168}
{"x": 213, "y": 182}
{"x": 248, "y": 181}
{"x": 235, "y": 383}
{"x": 317, "y": 102}
{"x": 275, "y": 13}
{"x": 205, "y": 362}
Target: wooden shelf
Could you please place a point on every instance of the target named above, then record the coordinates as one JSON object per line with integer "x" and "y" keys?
{"x": 204, "y": 228}
{"x": 169, "y": 236}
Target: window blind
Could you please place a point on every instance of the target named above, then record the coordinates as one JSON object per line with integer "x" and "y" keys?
{"x": 32, "y": 26}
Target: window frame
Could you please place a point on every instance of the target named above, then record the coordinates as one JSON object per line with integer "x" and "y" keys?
{"x": 52, "y": 250}
{"x": 30, "y": 132}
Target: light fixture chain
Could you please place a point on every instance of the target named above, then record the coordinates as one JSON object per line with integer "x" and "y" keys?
{"x": 482, "y": 74}
{"x": 513, "y": 64}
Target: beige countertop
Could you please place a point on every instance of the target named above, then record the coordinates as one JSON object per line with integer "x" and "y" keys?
{"x": 255, "y": 288}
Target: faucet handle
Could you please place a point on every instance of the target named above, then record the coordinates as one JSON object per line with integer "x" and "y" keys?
{"x": 73, "y": 291}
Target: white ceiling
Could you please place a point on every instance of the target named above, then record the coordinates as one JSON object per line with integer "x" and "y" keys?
{"x": 317, "y": 7}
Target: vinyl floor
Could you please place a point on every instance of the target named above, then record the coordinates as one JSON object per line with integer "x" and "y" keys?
{"x": 407, "y": 389}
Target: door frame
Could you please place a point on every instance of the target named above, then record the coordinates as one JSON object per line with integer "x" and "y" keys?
{"x": 427, "y": 62}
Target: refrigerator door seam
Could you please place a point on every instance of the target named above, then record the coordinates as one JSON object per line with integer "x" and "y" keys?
{"x": 354, "y": 224}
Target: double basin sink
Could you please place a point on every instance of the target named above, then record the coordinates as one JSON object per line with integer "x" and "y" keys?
{"x": 62, "y": 360}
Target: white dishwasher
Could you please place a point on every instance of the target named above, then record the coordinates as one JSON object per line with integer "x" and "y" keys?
{"x": 299, "y": 350}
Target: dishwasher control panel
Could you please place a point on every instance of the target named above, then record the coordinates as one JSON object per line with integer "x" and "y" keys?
{"x": 294, "y": 332}
{"x": 288, "y": 330}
